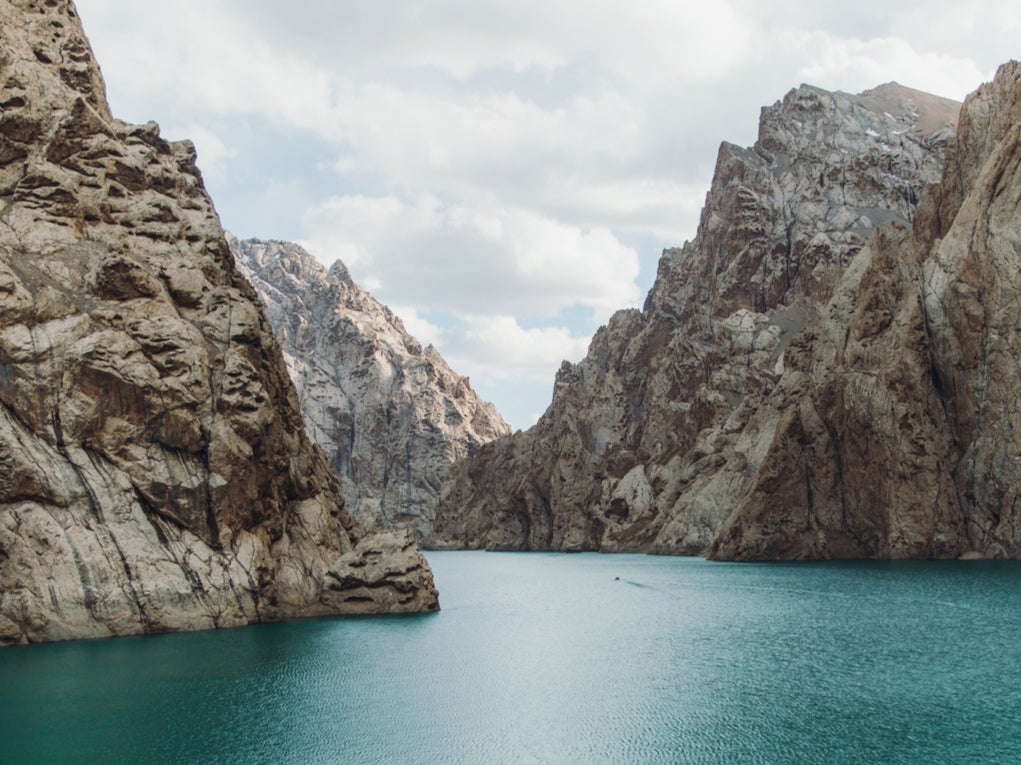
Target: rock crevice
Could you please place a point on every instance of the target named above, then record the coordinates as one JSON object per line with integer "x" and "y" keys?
{"x": 153, "y": 448}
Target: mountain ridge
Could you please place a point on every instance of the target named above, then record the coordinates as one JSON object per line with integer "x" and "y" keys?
{"x": 627, "y": 456}
{"x": 390, "y": 415}
{"x": 155, "y": 474}
{"x": 904, "y": 424}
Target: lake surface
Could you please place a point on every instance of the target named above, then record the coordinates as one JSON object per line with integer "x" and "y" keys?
{"x": 552, "y": 658}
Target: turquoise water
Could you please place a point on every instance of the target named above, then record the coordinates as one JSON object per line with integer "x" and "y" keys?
{"x": 541, "y": 658}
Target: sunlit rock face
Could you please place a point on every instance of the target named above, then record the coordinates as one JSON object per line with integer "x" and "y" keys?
{"x": 654, "y": 439}
{"x": 155, "y": 474}
{"x": 390, "y": 415}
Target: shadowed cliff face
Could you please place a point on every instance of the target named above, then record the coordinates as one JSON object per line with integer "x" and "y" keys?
{"x": 154, "y": 470}
{"x": 390, "y": 415}
{"x": 897, "y": 432}
{"x": 646, "y": 444}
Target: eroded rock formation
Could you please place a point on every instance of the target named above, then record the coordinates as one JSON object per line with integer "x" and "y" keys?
{"x": 896, "y": 428}
{"x": 390, "y": 414}
{"x": 154, "y": 469}
{"x": 653, "y": 439}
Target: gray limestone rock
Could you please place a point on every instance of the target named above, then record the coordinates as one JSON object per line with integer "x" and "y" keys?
{"x": 390, "y": 415}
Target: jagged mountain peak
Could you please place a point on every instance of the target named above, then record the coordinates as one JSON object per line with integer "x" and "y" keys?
{"x": 391, "y": 415}
{"x": 635, "y": 429}
{"x": 894, "y": 434}
{"x": 899, "y": 105}
{"x": 339, "y": 272}
{"x": 930, "y": 113}
{"x": 827, "y": 370}
{"x": 258, "y": 253}
{"x": 784, "y": 217}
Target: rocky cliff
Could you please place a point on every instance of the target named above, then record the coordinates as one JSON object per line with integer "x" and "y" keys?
{"x": 894, "y": 432}
{"x": 390, "y": 415}
{"x": 646, "y": 445}
{"x": 154, "y": 469}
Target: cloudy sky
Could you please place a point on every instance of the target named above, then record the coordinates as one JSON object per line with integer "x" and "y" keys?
{"x": 503, "y": 174}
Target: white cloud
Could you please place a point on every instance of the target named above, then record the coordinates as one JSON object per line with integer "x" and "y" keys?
{"x": 855, "y": 65}
{"x": 472, "y": 260}
{"x": 213, "y": 153}
{"x": 487, "y": 161}
{"x": 551, "y": 103}
{"x": 423, "y": 330}
{"x": 499, "y": 349}
{"x": 637, "y": 40}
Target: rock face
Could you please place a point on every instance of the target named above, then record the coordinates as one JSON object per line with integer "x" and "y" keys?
{"x": 154, "y": 470}
{"x": 896, "y": 428}
{"x": 390, "y": 415}
{"x": 653, "y": 439}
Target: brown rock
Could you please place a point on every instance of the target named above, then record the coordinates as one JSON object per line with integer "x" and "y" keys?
{"x": 155, "y": 470}
{"x": 859, "y": 462}
{"x": 911, "y": 376}
{"x": 652, "y": 440}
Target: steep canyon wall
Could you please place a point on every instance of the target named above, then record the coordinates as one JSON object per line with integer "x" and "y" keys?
{"x": 155, "y": 473}
{"x": 681, "y": 412}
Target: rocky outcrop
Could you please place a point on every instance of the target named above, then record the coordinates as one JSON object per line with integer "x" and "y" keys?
{"x": 897, "y": 423}
{"x": 154, "y": 469}
{"x": 651, "y": 440}
{"x": 390, "y": 414}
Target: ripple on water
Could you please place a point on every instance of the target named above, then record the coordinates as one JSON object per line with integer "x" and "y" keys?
{"x": 561, "y": 659}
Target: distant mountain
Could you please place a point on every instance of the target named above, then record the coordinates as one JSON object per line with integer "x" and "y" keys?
{"x": 390, "y": 415}
{"x": 656, "y": 438}
{"x": 155, "y": 474}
